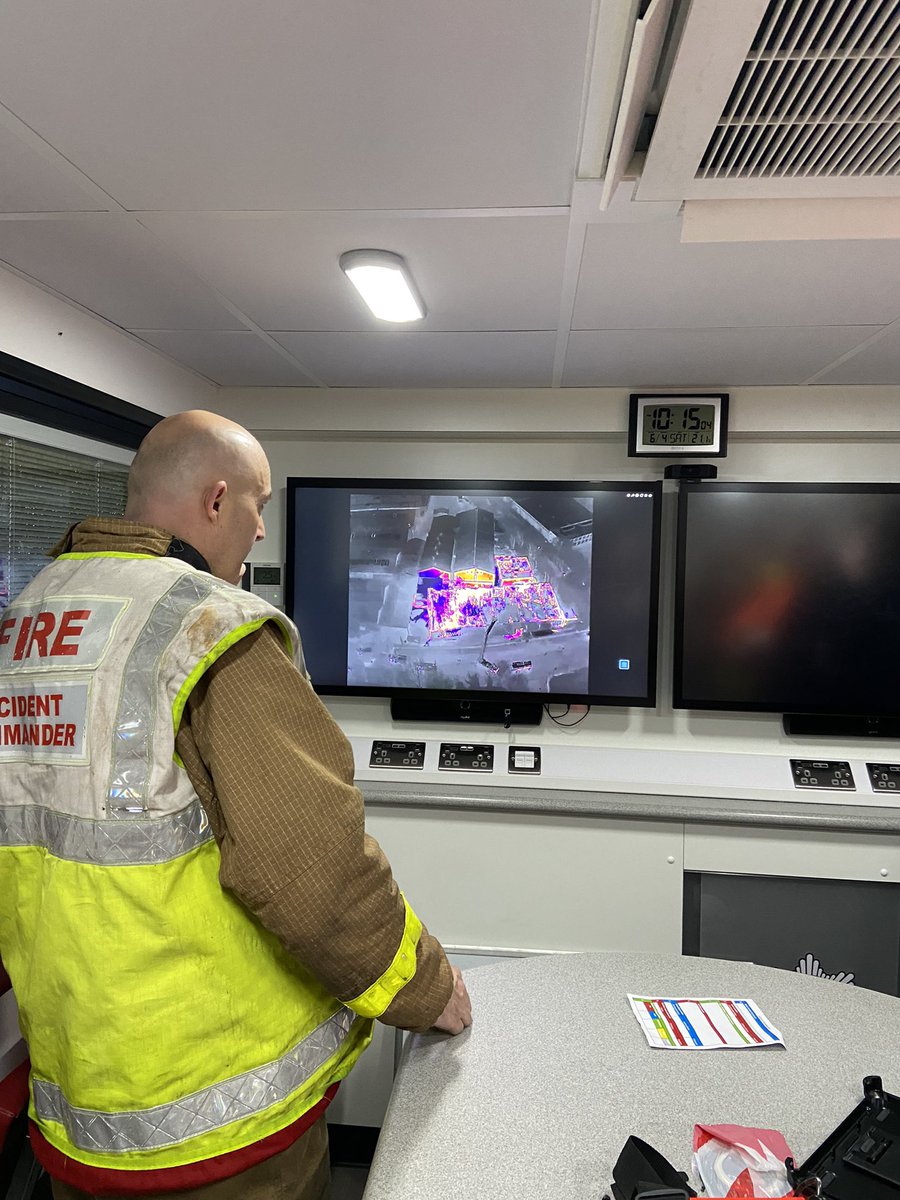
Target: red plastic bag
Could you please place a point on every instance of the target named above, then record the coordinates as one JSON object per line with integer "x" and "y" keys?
{"x": 737, "y": 1161}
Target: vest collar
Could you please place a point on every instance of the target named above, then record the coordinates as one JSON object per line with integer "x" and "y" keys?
{"x": 98, "y": 534}
{"x": 186, "y": 553}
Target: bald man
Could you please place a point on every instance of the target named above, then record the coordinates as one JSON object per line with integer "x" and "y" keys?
{"x": 198, "y": 929}
{"x": 207, "y": 480}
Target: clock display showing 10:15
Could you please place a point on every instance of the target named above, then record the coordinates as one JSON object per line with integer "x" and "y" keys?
{"x": 679, "y": 425}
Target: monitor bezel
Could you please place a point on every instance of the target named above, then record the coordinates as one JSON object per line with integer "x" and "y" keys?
{"x": 296, "y": 483}
{"x": 679, "y": 701}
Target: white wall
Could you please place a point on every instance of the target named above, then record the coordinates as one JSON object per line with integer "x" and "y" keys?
{"x": 61, "y": 337}
{"x": 12, "y": 1048}
{"x": 828, "y": 434}
{"x": 576, "y": 433}
{"x": 556, "y": 412}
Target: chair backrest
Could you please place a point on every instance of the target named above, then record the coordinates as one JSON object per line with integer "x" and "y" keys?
{"x": 17, "y": 1173}
{"x": 13, "y": 1098}
{"x": 21, "y": 1177}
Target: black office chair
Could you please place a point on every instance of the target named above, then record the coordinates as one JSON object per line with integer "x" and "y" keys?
{"x": 21, "y": 1176}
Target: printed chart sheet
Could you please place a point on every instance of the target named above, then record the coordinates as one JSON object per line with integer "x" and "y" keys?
{"x": 680, "y": 1023}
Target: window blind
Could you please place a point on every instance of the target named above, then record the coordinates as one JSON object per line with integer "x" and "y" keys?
{"x": 44, "y": 490}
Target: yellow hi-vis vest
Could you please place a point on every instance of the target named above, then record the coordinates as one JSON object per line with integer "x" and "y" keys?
{"x": 165, "y": 1025}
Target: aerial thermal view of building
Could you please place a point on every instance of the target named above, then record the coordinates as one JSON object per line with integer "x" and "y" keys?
{"x": 465, "y": 584}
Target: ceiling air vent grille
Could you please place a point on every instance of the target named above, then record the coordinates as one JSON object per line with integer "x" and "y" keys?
{"x": 818, "y": 95}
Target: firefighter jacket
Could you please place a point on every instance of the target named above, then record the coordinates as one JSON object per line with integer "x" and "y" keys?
{"x": 166, "y": 1026}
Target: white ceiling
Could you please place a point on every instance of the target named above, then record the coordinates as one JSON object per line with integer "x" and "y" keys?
{"x": 192, "y": 172}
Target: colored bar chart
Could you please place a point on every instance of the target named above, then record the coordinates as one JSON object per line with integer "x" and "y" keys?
{"x": 709, "y": 1023}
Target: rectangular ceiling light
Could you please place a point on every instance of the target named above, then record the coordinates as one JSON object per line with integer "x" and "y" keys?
{"x": 384, "y": 282}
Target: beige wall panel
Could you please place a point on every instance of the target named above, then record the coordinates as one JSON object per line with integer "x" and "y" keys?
{"x": 515, "y": 882}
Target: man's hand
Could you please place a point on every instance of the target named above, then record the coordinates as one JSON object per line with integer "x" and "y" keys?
{"x": 457, "y": 1016}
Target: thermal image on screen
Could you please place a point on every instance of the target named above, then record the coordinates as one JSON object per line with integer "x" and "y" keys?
{"x": 480, "y": 591}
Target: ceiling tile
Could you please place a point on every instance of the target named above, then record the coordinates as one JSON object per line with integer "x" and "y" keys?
{"x": 876, "y": 365}
{"x": 113, "y": 267}
{"x": 642, "y": 277}
{"x": 282, "y": 270}
{"x": 280, "y": 105}
{"x": 704, "y": 357}
{"x": 29, "y": 183}
{"x": 426, "y": 359}
{"x": 230, "y": 359}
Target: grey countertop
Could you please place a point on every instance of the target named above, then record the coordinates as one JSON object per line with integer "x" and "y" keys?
{"x": 535, "y": 1101}
{"x": 632, "y": 806}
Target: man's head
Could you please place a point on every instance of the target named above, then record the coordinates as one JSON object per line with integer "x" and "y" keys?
{"x": 206, "y": 480}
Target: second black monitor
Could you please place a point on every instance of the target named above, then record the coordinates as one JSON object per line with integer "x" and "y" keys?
{"x": 788, "y": 598}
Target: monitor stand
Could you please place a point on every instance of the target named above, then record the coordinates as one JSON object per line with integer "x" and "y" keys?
{"x": 476, "y": 712}
{"x": 826, "y": 725}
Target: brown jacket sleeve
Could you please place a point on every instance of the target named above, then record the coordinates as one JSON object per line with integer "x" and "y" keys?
{"x": 275, "y": 774}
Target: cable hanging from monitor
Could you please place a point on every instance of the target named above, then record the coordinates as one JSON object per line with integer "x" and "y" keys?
{"x": 566, "y": 724}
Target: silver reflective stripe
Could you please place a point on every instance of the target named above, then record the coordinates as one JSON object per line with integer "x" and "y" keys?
{"x": 112, "y": 843}
{"x": 132, "y": 746}
{"x": 211, "y": 1108}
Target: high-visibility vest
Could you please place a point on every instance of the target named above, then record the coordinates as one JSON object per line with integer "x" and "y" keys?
{"x": 166, "y": 1026}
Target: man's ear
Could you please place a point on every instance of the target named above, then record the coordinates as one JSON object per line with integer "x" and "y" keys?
{"x": 212, "y": 501}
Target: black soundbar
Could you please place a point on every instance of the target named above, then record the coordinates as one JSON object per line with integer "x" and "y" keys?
{"x": 478, "y": 712}
{"x": 820, "y": 725}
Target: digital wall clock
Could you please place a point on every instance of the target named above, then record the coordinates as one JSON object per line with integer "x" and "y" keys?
{"x": 678, "y": 426}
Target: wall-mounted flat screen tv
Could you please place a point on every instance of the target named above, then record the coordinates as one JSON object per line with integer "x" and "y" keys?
{"x": 788, "y": 598}
{"x": 536, "y": 590}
